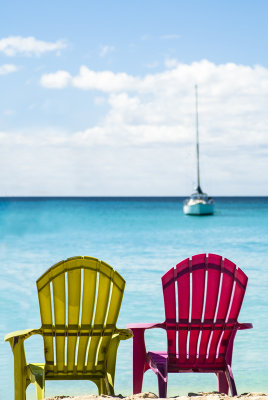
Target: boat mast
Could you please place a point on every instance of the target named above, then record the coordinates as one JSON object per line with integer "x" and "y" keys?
{"x": 198, "y": 189}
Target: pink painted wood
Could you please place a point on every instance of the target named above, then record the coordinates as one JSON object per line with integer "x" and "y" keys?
{"x": 203, "y": 297}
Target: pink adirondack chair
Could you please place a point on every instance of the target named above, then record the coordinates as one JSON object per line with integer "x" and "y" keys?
{"x": 202, "y": 297}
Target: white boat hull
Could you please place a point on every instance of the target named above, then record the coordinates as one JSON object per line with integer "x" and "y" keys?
{"x": 198, "y": 209}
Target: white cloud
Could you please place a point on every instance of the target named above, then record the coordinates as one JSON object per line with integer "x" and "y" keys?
{"x": 13, "y": 45}
{"x": 159, "y": 108}
{"x": 217, "y": 79}
{"x": 106, "y": 50}
{"x": 124, "y": 159}
{"x": 144, "y": 144}
{"x": 8, "y": 69}
{"x": 59, "y": 80}
{"x": 105, "y": 81}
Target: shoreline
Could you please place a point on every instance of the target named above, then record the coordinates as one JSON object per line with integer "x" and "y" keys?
{"x": 149, "y": 395}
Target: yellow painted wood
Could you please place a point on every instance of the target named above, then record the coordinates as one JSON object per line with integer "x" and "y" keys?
{"x": 47, "y": 322}
{"x": 95, "y": 346}
{"x": 116, "y": 298}
{"x": 59, "y": 297}
{"x": 74, "y": 294}
{"x": 20, "y": 381}
{"x": 82, "y": 314}
{"x": 36, "y": 373}
{"x": 111, "y": 358}
{"x": 88, "y": 302}
{"x": 116, "y": 295}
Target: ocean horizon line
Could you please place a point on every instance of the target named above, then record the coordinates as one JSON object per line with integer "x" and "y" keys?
{"x": 124, "y": 197}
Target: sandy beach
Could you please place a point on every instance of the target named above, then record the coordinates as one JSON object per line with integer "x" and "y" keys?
{"x": 191, "y": 396}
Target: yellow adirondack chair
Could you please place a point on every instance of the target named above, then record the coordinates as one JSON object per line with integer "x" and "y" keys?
{"x": 79, "y": 301}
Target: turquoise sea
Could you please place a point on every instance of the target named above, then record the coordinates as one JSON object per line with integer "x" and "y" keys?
{"x": 142, "y": 238}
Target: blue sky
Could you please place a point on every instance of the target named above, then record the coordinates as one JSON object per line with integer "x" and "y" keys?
{"x": 98, "y": 97}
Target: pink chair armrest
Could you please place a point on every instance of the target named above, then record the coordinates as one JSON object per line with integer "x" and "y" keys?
{"x": 229, "y": 352}
{"x": 245, "y": 325}
{"x": 140, "y": 364}
{"x": 148, "y": 325}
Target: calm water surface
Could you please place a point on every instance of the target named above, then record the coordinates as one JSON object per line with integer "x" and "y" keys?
{"x": 142, "y": 238}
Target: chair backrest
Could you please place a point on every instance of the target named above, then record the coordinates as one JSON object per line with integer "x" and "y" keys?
{"x": 79, "y": 301}
{"x": 202, "y": 297}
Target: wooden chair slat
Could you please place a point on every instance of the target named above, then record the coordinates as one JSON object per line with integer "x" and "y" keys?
{"x": 89, "y": 293}
{"x": 213, "y": 283}
{"x": 183, "y": 285}
{"x": 239, "y": 292}
{"x": 116, "y": 300}
{"x": 105, "y": 276}
{"x": 46, "y": 320}
{"x": 198, "y": 293}
{"x": 168, "y": 283}
{"x": 74, "y": 296}
{"x": 211, "y": 298}
{"x": 59, "y": 298}
{"x": 226, "y": 289}
{"x": 198, "y": 286}
{"x": 88, "y": 303}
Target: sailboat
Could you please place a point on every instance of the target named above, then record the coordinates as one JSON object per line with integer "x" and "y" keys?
{"x": 199, "y": 203}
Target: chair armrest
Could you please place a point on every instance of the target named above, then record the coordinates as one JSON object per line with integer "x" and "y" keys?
{"x": 229, "y": 352}
{"x": 244, "y": 325}
{"x": 124, "y": 334}
{"x": 16, "y": 341}
{"x": 24, "y": 334}
{"x": 119, "y": 334}
{"x": 139, "y": 349}
{"x": 149, "y": 325}
{"x": 140, "y": 364}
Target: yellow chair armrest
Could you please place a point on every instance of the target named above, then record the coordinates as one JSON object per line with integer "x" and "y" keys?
{"x": 24, "y": 334}
{"x": 16, "y": 341}
{"x": 120, "y": 334}
{"x": 123, "y": 334}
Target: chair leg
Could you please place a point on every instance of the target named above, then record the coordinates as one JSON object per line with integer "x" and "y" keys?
{"x": 223, "y": 385}
{"x": 36, "y": 374}
{"x": 230, "y": 379}
{"x": 20, "y": 376}
{"x": 101, "y": 385}
{"x": 111, "y": 362}
{"x": 162, "y": 377}
{"x": 109, "y": 386}
{"x": 139, "y": 360}
{"x": 40, "y": 392}
{"x": 138, "y": 373}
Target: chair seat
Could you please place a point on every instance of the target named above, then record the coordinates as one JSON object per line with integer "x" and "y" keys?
{"x": 72, "y": 375}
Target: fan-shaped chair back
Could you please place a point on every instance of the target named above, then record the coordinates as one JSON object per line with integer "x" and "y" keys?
{"x": 202, "y": 297}
{"x": 79, "y": 300}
